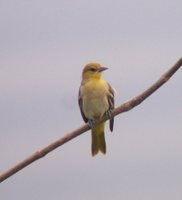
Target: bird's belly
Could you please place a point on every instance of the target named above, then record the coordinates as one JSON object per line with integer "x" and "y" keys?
{"x": 95, "y": 107}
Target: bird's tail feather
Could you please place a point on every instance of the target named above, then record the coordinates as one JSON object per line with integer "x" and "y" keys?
{"x": 98, "y": 139}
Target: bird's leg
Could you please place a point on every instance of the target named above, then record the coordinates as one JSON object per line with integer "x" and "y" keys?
{"x": 108, "y": 113}
{"x": 91, "y": 123}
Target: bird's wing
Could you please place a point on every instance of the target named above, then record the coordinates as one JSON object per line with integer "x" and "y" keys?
{"x": 80, "y": 102}
{"x": 111, "y": 104}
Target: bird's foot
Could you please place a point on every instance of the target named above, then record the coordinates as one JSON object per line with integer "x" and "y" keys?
{"x": 108, "y": 114}
{"x": 91, "y": 123}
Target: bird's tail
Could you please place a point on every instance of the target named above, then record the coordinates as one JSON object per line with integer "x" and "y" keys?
{"x": 98, "y": 139}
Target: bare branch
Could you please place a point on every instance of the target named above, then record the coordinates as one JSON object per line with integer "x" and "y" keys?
{"x": 69, "y": 136}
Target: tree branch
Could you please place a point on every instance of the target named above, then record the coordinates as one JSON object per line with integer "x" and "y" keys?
{"x": 69, "y": 136}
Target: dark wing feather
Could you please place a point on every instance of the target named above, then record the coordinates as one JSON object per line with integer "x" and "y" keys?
{"x": 81, "y": 107}
{"x": 111, "y": 105}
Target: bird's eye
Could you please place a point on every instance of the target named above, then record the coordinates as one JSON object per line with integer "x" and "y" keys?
{"x": 93, "y": 70}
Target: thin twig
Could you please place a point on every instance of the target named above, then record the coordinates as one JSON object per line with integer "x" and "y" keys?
{"x": 69, "y": 136}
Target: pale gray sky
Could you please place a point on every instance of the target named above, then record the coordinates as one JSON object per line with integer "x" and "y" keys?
{"x": 43, "y": 48}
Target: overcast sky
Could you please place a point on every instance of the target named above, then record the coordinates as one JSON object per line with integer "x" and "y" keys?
{"x": 43, "y": 47}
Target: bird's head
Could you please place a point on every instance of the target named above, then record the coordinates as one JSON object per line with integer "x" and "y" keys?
{"x": 92, "y": 70}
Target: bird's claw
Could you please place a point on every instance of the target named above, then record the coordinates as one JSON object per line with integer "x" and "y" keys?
{"x": 108, "y": 113}
{"x": 91, "y": 123}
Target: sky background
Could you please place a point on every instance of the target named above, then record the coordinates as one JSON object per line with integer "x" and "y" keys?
{"x": 43, "y": 47}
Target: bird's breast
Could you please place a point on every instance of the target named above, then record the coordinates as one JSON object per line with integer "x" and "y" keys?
{"x": 95, "y": 101}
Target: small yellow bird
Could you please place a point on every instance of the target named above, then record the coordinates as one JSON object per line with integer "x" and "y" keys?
{"x": 96, "y": 99}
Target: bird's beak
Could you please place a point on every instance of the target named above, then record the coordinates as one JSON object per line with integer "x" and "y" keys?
{"x": 102, "y": 69}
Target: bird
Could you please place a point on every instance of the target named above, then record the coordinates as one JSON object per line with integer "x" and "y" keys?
{"x": 96, "y": 99}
